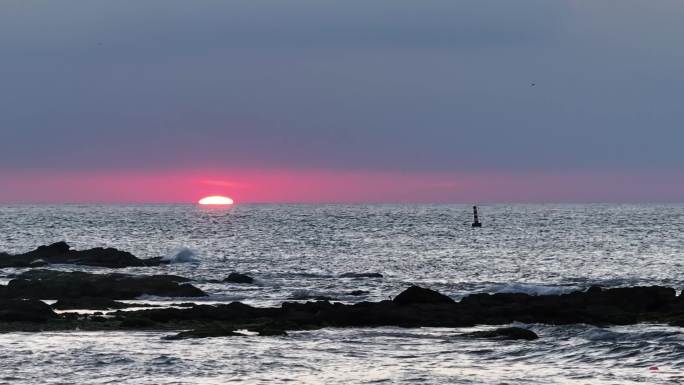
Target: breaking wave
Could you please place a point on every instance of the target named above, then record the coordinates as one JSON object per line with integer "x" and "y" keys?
{"x": 181, "y": 255}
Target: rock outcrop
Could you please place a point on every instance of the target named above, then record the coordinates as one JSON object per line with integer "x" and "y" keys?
{"x": 417, "y": 295}
{"x": 21, "y": 310}
{"x": 239, "y": 278}
{"x": 509, "y": 333}
{"x": 93, "y": 303}
{"x": 361, "y": 275}
{"x": 51, "y": 284}
{"x": 414, "y": 307}
{"x": 61, "y": 253}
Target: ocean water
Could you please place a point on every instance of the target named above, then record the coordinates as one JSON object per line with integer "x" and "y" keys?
{"x": 296, "y": 251}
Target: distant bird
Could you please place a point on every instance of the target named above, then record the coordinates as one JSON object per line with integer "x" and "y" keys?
{"x": 533, "y": 84}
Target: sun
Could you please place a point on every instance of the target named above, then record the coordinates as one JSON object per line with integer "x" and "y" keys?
{"x": 215, "y": 200}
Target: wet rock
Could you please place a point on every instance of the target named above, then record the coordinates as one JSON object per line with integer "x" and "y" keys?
{"x": 183, "y": 304}
{"x": 38, "y": 263}
{"x": 94, "y": 303}
{"x": 229, "y": 312}
{"x": 361, "y": 275}
{"x": 311, "y": 297}
{"x": 617, "y": 306}
{"x": 509, "y": 333}
{"x": 271, "y": 332}
{"x": 51, "y": 284}
{"x": 25, "y": 310}
{"x": 206, "y": 332}
{"x": 61, "y": 253}
{"x": 239, "y": 278}
{"x": 417, "y": 294}
{"x": 415, "y": 307}
{"x": 156, "y": 261}
{"x": 594, "y": 289}
{"x": 226, "y": 330}
{"x": 137, "y": 323}
{"x": 91, "y": 303}
{"x": 357, "y": 293}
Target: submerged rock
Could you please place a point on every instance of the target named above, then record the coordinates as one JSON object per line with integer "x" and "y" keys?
{"x": 51, "y": 284}
{"x": 417, "y": 294}
{"x": 509, "y": 333}
{"x": 239, "y": 278}
{"x": 61, "y": 253}
{"x": 361, "y": 275}
{"x": 206, "y": 332}
{"x": 303, "y": 295}
{"x": 226, "y": 330}
{"x": 271, "y": 332}
{"x": 91, "y": 303}
{"x": 94, "y": 303}
{"x": 358, "y": 292}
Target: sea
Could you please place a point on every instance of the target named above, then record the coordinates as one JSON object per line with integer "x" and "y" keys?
{"x": 297, "y": 252}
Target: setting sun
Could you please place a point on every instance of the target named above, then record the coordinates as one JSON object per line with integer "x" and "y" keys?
{"x": 216, "y": 200}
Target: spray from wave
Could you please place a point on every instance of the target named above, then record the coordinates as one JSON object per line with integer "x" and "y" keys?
{"x": 181, "y": 255}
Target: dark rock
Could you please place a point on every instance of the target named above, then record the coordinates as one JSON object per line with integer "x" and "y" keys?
{"x": 594, "y": 290}
{"x": 358, "y": 292}
{"x": 206, "y": 332}
{"x": 416, "y": 295}
{"x": 21, "y": 310}
{"x": 361, "y": 275}
{"x": 314, "y": 297}
{"x": 271, "y": 332}
{"x": 415, "y": 307}
{"x": 183, "y": 304}
{"x": 61, "y": 253}
{"x": 156, "y": 261}
{"x": 137, "y": 323}
{"x": 51, "y": 284}
{"x": 37, "y": 263}
{"x": 510, "y": 333}
{"x": 239, "y": 278}
{"x": 90, "y": 303}
{"x": 55, "y": 248}
{"x": 232, "y": 311}
{"x": 226, "y": 330}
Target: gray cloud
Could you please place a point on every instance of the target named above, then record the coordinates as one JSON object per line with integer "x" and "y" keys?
{"x": 375, "y": 85}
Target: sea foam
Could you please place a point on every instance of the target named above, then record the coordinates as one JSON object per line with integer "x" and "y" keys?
{"x": 530, "y": 289}
{"x": 181, "y": 255}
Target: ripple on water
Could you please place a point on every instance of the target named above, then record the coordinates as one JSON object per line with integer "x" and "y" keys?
{"x": 539, "y": 249}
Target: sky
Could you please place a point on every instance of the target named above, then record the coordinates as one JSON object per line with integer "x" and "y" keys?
{"x": 342, "y": 101}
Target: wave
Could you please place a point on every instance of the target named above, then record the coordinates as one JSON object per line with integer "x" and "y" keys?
{"x": 306, "y": 294}
{"x": 530, "y": 289}
{"x": 181, "y": 255}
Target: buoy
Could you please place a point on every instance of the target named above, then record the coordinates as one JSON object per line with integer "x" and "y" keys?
{"x": 653, "y": 368}
{"x": 476, "y": 221}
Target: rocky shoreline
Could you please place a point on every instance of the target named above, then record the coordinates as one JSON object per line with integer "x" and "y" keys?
{"x": 414, "y": 307}
{"x": 61, "y": 253}
{"x": 22, "y": 308}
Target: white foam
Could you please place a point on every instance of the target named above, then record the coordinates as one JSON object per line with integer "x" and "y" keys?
{"x": 304, "y": 294}
{"x": 181, "y": 255}
{"x": 530, "y": 289}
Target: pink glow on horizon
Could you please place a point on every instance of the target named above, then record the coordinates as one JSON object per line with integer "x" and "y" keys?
{"x": 333, "y": 186}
